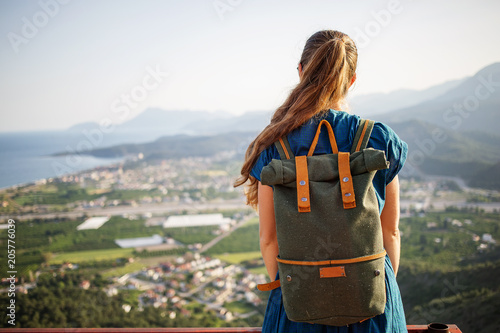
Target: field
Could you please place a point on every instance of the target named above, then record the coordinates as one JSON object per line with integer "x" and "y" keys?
{"x": 448, "y": 272}
{"x": 245, "y": 239}
{"x": 239, "y": 257}
{"x": 239, "y": 307}
{"x": 119, "y": 271}
{"x": 259, "y": 270}
{"x": 57, "y": 241}
{"x": 92, "y": 255}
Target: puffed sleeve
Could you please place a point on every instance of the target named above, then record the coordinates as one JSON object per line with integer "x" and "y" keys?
{"x": 264, "y": 159}
{"x": 396, "y": 150}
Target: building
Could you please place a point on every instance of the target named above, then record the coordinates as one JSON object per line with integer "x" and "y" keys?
{"x": 179, "y": 221}
{"x": 139, "y": 241}
{"x": 93, "y": 223}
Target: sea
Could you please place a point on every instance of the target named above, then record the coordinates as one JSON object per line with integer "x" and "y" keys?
{"x": 26, "y": 157}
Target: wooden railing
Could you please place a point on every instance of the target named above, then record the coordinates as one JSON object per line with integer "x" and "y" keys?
{"x": 411, "y": 329}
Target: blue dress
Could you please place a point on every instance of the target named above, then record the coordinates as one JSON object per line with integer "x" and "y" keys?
{"x": 383, "y": 138}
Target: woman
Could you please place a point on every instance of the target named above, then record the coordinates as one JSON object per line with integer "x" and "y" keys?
{"x": 327, "y": 69}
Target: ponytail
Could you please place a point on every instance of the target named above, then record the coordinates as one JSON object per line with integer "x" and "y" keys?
{"x": 328, "y": 65}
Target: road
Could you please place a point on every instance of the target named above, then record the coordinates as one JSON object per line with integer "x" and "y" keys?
{"x": 197, "y": 288}
{"x": 438, "y": 203}
{"x": 155, "y": 209}
{"x": 459, "y": 181}
{"x": 220, "y": 237}
{"x": 214, "y": 306}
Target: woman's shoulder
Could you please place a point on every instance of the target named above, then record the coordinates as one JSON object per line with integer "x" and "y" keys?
{"x": 266, "y": 156}
{"x": 345, "y": 119}
{"x": 344, "y": 125}
{"x": 384, "y": 138}
{"x": 383, "y": 135}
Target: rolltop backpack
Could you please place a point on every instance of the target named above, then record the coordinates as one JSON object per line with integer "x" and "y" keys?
{"x": 331, "y": 254}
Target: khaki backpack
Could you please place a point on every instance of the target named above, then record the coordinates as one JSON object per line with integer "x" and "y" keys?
{"x": 331, "y": 254}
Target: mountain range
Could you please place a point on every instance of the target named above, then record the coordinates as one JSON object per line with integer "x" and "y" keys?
{"x": 472, "y": 105}
{"x": 377, "y": 103}
{"x": 179, "y": 146}
{"x": 450, "y": 128}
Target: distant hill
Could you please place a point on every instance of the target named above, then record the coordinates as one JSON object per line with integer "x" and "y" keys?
{"x": 154, "y": 123}
{"x": 460, "y": 154}
{"x": 434, "y": 105}
{"x": 82, "y": 126}
{"x": 451, "y": 145}
{"x": 464, "y": 113}
{"x": 488, "y": 177}
{"x": 378, "y": 103}
{"x": 250, "y": 121}
{"x": 473, "y": 105}
{"x": 171, "y": 122}
{"x": 179, "y": 146}
{"x": 168, "y": 122}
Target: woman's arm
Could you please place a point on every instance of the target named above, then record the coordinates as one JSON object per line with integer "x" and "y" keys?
{"x": 267, "y": 230}
{"x": 390, "y": 223}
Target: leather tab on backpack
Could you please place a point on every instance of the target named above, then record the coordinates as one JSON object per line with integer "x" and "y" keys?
{"x": 331, "y": 272}
{"x": 303, "y": 199}
{"x": 346, "y": 184}
{"x": 269, "y": 286}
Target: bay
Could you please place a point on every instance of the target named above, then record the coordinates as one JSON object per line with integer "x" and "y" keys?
{"x": 28, "y": 156}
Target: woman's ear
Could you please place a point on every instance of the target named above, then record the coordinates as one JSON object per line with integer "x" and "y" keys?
{"x": 353, "y": 80}
{"x": 300, "y": 69}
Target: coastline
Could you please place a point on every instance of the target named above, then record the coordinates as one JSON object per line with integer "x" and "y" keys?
{"x": 48, "y": 171}
{"x": 27, "y": 157}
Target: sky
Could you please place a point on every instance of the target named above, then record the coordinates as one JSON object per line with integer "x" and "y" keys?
{"x": 64, "y": 62}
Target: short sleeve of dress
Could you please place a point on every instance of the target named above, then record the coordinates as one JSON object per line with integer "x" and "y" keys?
{"x": 384, "y": 138}
{"x": 264, "y": 159}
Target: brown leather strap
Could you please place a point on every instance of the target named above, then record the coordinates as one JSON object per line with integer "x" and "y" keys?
{"x": 346, "y": 184}
{"x": 332, "y": 262}
{"x": 275, "y": 284}
{"x": 303, "y": 198}
{"x": 331, "y": 135}
{"x": 269, "y": 286}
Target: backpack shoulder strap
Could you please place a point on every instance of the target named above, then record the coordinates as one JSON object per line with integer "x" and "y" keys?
{"x": 284, "y": 149}
{"x": 362, "y": 135}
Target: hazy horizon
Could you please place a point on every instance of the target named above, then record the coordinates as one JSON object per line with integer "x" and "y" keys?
{"x": 221, "y": 113}
{"x": 68, "y": 62}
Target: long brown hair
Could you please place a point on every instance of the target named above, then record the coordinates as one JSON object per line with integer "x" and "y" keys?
{"x": 328, "y": 65}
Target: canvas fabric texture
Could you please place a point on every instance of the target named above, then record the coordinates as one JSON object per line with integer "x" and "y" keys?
{"x": 331, "y": 255}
